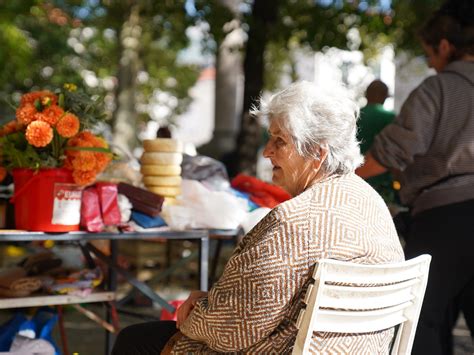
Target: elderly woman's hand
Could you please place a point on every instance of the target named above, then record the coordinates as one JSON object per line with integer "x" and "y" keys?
{"x": 188, "y": 305}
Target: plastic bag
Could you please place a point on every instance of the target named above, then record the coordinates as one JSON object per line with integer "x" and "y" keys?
{"x": 125, "y": 207}
{"x": 91, "y": 218}
{"x": 205, "y": 169}
{"x": 199, "y": 207}
{"x": 252, "y": 218}
{"x": 39, "y": 327}
{"x": 108, "y": 203}
{"x": 9, "y": 329}
{"x": 22, "y": 345}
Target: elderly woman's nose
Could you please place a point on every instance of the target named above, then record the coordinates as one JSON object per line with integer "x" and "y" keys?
{"x": 267, "y": 151}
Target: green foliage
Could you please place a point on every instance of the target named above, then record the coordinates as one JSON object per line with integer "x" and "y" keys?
{"x": 18, "y": 153}
{"x": 89, "y": 108}
{"x": 319, "y": 25}
{"x": 163, "y": 27}
{"x": 216, "y": 15}
{"x": 34, "y": 51}
{"x": 408, "y": 17}
{"x": 44, "y": 43}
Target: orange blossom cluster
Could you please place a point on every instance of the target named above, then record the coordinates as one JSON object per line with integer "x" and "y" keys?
{"x": 86, "y": 164}
{"x": 40, "y": 114}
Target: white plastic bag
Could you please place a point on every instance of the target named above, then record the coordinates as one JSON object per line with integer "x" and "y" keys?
{"x": 252, "y": 218}
{"x": 199, "y": 207}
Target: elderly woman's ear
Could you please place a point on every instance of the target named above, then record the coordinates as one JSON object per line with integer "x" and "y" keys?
{"x": 322, "y": 153}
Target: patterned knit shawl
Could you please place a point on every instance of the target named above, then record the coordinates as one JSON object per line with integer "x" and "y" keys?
{"x": 253, "y": 307}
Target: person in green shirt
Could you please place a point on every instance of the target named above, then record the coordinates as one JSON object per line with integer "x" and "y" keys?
{"x": 373, "y": 118}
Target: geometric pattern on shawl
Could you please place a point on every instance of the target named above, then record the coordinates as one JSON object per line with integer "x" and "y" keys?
{"x": 253, "y": 307}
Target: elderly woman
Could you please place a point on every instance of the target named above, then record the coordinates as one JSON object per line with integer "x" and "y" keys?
{"x": 252, "y": 308}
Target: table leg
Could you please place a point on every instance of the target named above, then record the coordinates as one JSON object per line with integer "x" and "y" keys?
{"x": 111, "y": 286}
{"x": 62, "y": 331}
{"x": 215, "y": 261}
{"x": 141, "y": 286}
{"x": 204, "y": 263}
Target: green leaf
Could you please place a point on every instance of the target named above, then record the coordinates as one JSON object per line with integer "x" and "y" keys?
{"x": 91, "y": 149}
{"x": 61, "y": 100}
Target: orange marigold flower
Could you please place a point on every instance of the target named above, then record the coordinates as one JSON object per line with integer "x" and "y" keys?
{"x": 68, "y": 125}
{"x": 84, "y": 161}
{"x": 10, "y": 127}
{"x": 39, "y": 134}
{"x": 50, "y": 115}
{"x": 101, "y": 142}
{"x": 76, "y": 142}
{"x": 30, "y": 98}
{"x": 26, "y": 114}
{"x": 44, "y": 96}
{"x": 86, "y": 136}
{"x": 83, "y": 177}
{"x": 3, "y": 173}
{"x": 102, "y": 160}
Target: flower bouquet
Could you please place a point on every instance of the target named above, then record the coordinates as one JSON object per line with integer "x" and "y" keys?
{"x": 51, "y": 130}
{"x": 50, "y": 143}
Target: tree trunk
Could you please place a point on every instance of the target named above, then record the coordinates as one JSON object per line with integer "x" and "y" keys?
{"x": 264, "y": 15}
{"x": 125, "y": 115}
{"x": 228, "y": 88}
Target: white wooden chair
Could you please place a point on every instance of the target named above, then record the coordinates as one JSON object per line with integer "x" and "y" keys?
{"x": 392, "y": 294}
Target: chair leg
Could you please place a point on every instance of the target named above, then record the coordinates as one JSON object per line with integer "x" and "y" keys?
{"x": 62, "y": 331}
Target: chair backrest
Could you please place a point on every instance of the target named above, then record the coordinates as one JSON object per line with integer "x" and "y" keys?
{"x": 355, "y": 298}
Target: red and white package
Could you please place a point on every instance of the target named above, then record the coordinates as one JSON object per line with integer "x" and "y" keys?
{"x": 109, "y": 203}
{"x": 91, "y": 218}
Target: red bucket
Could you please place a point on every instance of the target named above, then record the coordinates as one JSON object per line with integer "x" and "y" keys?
{"x": 46, "y": 200}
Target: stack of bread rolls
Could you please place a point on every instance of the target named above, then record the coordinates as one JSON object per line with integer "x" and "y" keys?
{"x": 161, "y": 167}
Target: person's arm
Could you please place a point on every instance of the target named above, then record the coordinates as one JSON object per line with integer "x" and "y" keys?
{"x": 184, "y": 310}
{"x": 254, "y": 292}
{"x": 370, "y": 168}
{"x": 412, "y": 132}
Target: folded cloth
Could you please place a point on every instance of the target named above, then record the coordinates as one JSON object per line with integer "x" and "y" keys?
{"x": 15, "y": 279}
{"x": 75, "y": 283}
{"x": 146, "y": 221}
{"x": 22, "y": 345}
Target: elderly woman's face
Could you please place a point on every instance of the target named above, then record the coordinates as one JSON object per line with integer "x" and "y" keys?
{"x": 291, "y": 171}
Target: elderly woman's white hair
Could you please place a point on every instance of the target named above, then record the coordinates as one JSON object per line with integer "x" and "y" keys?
{"x": 318, "y": 116}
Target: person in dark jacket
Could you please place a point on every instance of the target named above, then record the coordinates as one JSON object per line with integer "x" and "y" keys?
{"x": 432, "y": 143}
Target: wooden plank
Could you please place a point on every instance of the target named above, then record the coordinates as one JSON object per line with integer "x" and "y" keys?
{"x": 50, "y": 300}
